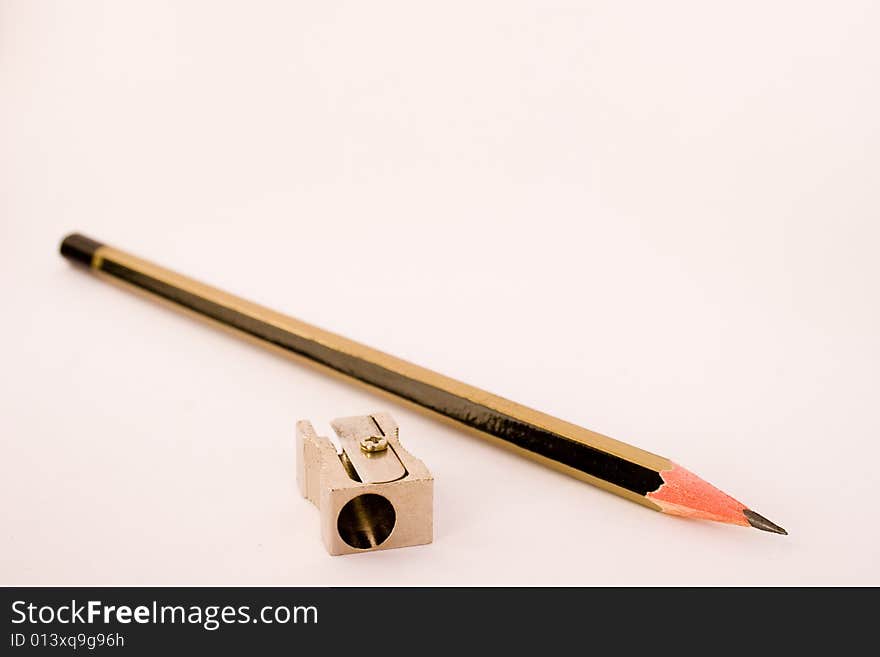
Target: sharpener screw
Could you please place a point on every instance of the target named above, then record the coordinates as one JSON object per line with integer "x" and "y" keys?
{"x": 374, "y": 444}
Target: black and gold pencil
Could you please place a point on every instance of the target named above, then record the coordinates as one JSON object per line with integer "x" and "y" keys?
{"x": 633, "y": 473}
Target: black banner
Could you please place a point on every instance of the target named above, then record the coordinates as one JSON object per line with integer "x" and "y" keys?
{"x": 369, "y": 620}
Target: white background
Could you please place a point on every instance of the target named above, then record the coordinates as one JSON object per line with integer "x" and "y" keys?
{"x": 658, "y": 220}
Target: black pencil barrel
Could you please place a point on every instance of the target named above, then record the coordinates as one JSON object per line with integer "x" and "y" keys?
{"x": 577, "y": 450}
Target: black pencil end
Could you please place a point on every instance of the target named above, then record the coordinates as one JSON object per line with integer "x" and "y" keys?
{"x": 79, "y": 248}
{"x": 758, "y": 521}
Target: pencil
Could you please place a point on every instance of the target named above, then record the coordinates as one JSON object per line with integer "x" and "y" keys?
{"x": 633, "y": 473}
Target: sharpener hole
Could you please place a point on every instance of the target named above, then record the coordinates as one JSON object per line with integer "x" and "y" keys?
{"x": 366, "y": 521}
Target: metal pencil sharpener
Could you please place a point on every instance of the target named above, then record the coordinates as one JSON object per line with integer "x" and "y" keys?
{"x": 373, "y": 495}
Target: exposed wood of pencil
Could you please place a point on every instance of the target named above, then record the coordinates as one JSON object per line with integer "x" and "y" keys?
{"x": 651, "y": 480}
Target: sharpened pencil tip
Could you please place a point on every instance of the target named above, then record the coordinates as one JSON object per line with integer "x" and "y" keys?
{"x": 758, "y": 521}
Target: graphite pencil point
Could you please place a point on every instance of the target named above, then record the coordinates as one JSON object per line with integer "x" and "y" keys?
{"x": 758, "y": 521}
